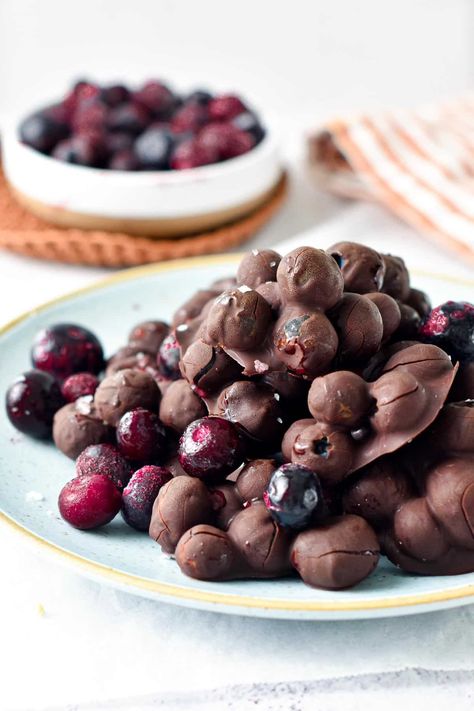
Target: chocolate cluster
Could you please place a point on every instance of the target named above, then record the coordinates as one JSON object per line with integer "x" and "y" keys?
{"x": 304, "y": 417}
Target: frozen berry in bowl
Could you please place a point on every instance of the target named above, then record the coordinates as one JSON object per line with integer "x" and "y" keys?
{"x": 191, "y": 154}
{"x": 140, "y": 493}
{"x": 104, "y": 459}
{"x": 141, "y": 437}
{"x": 88, "y": 502}
{"x": 226, "y": 107}
{"x": 451, "y": 327}
{"x": 66, "y": 348}
{"x": 294, "y": 496}
{"x": 114, "y": 95}
{"x": 156, "y": 98}
{"x": 130, "y": 118}
{"x": 168, "y": 358}
{"x": 31, "y": 403}
{"x": 78, "y": 385}
{"x": 211, "y": 448}
{"x": 189, "y": 117}
{"x": 82, "y": 149}
{"x": 124, "y": 160}
{"x": 153, "y": 148}
{"x": 42, "y": 132}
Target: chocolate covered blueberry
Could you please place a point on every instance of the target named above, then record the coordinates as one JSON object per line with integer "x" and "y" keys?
{"x": 77, "y": 425}
{"x": 337, "y": 554}
{"x": 253, "y": 479}
{"x": 325, "y": 450}
{"x": 389, "y": 311}
{"x": 310, "y": 277}
{"x": 125, "y": 390}
{"x": 305, "y": 342}
{"x": 192, "y": 308}
{"x": 207, "y": 553}
{"x": 148, "y": 335}
{"x": 181, "y": 503}
{"x": 340, "y": 398}
{"x": 261, "y": 542}
{"x": 180, "y": 405}
{"x": 31, "y": 402}
{"x": 396, "y": 281}
{"x": 258, "y": 267}
{"x": 255, "y": 407}
{"x": 410, "y": 321}
{"x": 226, "y": 503}
{"x": 419, "y": 301}
{"x": 363, "y": 269}
{"x": 291, "y": 434}
{"x": 211, "y": 448}
{"x": 294, "y": 496}
{"x": 359, "y": 327}
{"x": 238, "y": 319}
{"x": 207, "y": 368}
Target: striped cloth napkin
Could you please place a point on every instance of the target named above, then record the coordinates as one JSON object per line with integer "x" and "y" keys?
{"x": 418, "y": 163}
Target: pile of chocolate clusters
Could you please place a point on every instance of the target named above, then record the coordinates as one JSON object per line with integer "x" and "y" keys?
{"x": 149, "y": 128}
{"x": 304, "y": 417}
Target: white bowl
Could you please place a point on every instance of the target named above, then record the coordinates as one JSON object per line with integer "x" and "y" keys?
{"x": 157, "y": 203}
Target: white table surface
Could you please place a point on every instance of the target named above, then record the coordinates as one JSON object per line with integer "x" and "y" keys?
{"x": 66, "y": 642}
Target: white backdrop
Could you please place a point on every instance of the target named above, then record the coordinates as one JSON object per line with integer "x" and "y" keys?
{"x": 301, "y": 58}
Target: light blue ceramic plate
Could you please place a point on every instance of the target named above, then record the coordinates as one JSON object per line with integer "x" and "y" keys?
{"x": 117, "y": 555}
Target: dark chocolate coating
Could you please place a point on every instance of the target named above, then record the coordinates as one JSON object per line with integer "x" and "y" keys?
{"x": 409, "y": 322}
{"x": 207, "y": 368}
{"x": 389, "y": 311}
{"x": 453, "y": 429}
{"x": 305, "y": 342}
{"x": 420, "y": 301}
{"x": 227, "y": 504}
{"x": 450, "y": 496}
{"x": 396, "y": 282}
{"x": 263, "y": 545}
{"x": 254, "y": 478}
{"x": 206, "y": 553}
{"x": 326, "y": 450}
{"x": 149, "y": 335}
{"x": 258, "y": 267}
{"x": 192, "y": 308}
{"x": 359, "y": 326}
{"x": 291, "y": 434}
{"x": 180, "y": 406}
{"x": 418, "y": 533}
{"x": 363, "y": 268}
{"x": 377, "y": 491}
{"x": 293, "y": 392}
{"x": 124, "y": 391}
{"x": 336, "y": 555}
{"x": 271, "y": 293}
{"x": 311, "y": 277}
{"x": 182, "y": 503}
{"x": 238, "y": 319}
{"x": 76, "y": 426}
{"x": 139, "y": 361}
{"x": 340, "y": 398}
{"x": 255, "y": 407}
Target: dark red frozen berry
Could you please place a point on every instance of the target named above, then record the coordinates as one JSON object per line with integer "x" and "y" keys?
{"x": 156, "y": 98}
{"x": 31, "y": 402}
{"x": 81, "y": 92}
{"x": 225, "y": 139}
{"x": 87, "y": 149}
{"x": 140, "y": 493}
{"x": 451, "y": 327}
{"x": 191, "y": 154}
{"x": 67, "y": 348}
{"x": 89, "y": 501}
{"x": 90, "y": 116}
{"x": 225, "y": 107}
{"x": 189, "y": 117}
{"x": 79, "y": 384}
{"x": 141, "y": 436}
{"x": 104, "y": 459}
{"x": 294, "y": 496}
{"x": 211, "y": 448}
{"x": 114, "y": 95}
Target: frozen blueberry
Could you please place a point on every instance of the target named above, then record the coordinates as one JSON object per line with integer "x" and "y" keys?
{"x": 211, "y": 448}
{"x": 42, "y": 132}
{"x": 153, "y": 149}
{"x": 294, "y": 496}
{"x": 140, "y": 493}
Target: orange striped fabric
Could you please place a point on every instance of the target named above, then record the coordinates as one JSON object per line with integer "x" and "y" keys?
{"x": 418, "y": 163}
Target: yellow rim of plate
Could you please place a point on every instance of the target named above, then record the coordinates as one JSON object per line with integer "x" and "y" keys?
{"x": 225, "y": 599}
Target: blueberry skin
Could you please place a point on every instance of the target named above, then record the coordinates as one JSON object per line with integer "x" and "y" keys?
{"x": 294, "y": 496}
{"x": 247, "y": 121}
{"x": 42, "y": 132}
{"x": 153, "y": 149}
{"x": 200, "y": 96}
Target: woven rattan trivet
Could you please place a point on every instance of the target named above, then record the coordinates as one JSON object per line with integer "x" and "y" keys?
{"x": 26, "y": 234}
